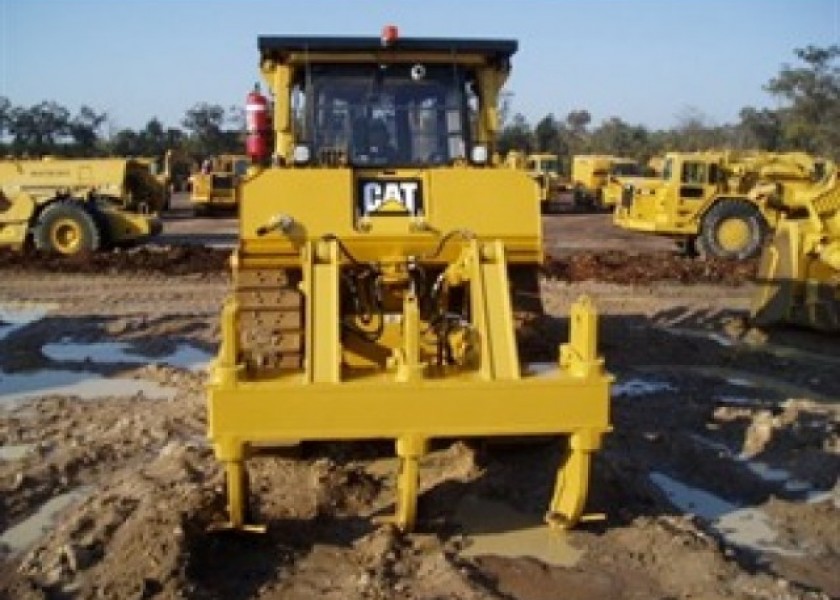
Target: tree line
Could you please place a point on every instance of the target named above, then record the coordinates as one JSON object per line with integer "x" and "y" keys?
{"x": 808, "y": 119}
{"x": 48, "y": 128}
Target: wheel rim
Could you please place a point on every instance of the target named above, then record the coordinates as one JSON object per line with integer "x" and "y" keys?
{"x": 66, "y": 236}
{"x": 733, "y": 234}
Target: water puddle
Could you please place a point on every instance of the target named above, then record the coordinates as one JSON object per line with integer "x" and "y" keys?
{"x": 25, "y": 534}
{"x": 15, "y": 315}
{"x": 635, "y": 387}
{"x": 184, "y": 357}
{"x": 769, "y": 348}
{"x": 743, "y": 379}
{"x": 15, "y": 451}
{"x": 494, "y": 528}
{"x": 17, "y": 387}
{"x": 760, "y": 469}
{"x": 819, "y": 497}
{"x": 712, "y": 336}
{"x": 740, "y": 526}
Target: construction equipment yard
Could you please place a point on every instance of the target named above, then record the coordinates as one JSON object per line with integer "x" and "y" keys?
{"x": 718, "y": 479}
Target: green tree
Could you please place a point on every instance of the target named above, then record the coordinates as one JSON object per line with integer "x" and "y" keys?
{"x": 578, "y": 121}
{"x": 207, "y": 133}
{"x": 37, "y": 130}
{"x": 84, "y": 131}
{"x": 516, "y": 135}
{"x": 5, "y": 118}
{"x": 614, "y": 136}
{"x": 811, "y": 117}
{"x": 547, "y": 136}
{"x": 760, "y": 129}
{"x": 205, "y": 124}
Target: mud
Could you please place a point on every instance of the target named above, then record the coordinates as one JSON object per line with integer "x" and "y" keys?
{"x": 606, "y": 265}
{"x": 742, "y": 422}
{"x": 169, "y": 260}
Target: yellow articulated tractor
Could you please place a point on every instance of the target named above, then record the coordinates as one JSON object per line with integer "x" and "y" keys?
{"x": 386, "y": 267}
{"x": 703, "y": 199}
{"x": 68, "y": 206}
{"x": 591, "y": 175}
{"x": 799, "y": 272}
{"x": 214, "y": 187}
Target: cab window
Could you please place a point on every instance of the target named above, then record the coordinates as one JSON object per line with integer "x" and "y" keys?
{"x": 694, "y": 173}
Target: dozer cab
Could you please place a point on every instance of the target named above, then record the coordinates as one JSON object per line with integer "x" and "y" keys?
{"x": 703, "y": 199}
{"x": 799, "y": 272}
{"x": 214, "y": 187}
{"x": 68, "y": 206}
{"x": 383, "y": 264}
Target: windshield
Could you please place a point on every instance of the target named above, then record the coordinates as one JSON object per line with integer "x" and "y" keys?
{"x": 390, "y": 115}
{"x": 626, "y": 169}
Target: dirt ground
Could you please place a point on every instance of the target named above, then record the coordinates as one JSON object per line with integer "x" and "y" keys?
{"x": 719, "y": 481}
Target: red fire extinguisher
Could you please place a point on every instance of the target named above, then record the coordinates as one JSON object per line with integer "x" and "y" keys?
{"x": 257, "y": 126}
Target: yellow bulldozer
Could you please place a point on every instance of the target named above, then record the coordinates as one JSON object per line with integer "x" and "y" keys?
{"x": 704, "y": 201}
{"x": 67, "y": 206}
{"x": 214, "y": 187}
{"x": 386, "y": 271}
{"x": 799, "y": 272}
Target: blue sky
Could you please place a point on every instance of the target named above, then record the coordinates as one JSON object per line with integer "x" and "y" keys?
{"x": 645, "y": 61}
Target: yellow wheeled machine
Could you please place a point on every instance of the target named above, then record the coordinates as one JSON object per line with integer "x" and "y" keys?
{"x": 384, "y": 265}
{"x": 707, "y": 201}
{"x": 68, "y": 206}
{"x": 799, "y": 272}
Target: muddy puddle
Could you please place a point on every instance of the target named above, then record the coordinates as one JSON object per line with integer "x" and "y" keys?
{"x": 184, "y": 357}
{"x": 26, "y": 533}
{"x": 15, "y": 451}
{"x": 19, "y": 387}
{"x": 14, "y": 315}
{"x": 494, "y": 528}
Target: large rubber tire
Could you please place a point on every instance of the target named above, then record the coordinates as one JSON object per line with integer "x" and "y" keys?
{"x": 733, "y": 230}
{"x": 66, "y": 227}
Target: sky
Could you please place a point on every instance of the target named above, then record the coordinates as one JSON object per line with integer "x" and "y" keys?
{"x": 648, "y": 62}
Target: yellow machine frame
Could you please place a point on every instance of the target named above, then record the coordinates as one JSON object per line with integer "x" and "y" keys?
{"x": 480, "y": 222}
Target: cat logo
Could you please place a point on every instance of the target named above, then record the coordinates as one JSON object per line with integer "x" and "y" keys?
{"x": 390, "y": 198}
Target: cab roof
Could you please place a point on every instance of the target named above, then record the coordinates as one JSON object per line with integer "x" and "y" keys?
{"x": 277, "y": 45}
